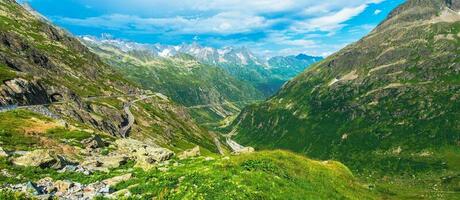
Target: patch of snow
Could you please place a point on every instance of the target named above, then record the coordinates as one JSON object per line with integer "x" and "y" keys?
{"x": 243, "y": 59}
{"x": 177, "y": 48}
{"x": 165, "y": 53}
{"x": 86, "y": 38}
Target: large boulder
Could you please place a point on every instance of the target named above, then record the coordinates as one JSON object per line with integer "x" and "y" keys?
{"x": 243, "y": 150}
{"x": 117, "y": 179}
{"x": 131, "y": 145}
{"x": 146, "y": 155}
{"x": 190, "y": 153}
{"x": 38, "y": 158}
{"x": 104, "y": 163}
{"x": 94, "y": 142}
{"x": 63, "y": 186}
{"x": 42, "y": 158}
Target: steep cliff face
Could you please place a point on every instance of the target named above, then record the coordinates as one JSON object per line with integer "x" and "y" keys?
{"x": 42, "y": 64}
{"x": 388, "y": 101}
{"x": 22, "y": 92}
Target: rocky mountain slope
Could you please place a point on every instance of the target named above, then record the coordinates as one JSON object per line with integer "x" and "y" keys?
{"x": 42, "y": 65}
{"x": 387, "y": 103}
{"x": 210, "y": 93}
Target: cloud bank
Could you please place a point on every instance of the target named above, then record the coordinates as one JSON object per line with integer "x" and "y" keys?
{"x": 271, "y": 26}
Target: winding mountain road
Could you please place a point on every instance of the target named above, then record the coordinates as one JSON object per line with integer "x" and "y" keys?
{"x": 124, "y": 131}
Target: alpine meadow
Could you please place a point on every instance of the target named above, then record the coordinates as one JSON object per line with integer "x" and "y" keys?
{"x": 230, "y": 99}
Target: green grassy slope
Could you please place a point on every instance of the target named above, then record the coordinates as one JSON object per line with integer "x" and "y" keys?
{"x": 262, "y": 175}
{"x": 387, "y": 104}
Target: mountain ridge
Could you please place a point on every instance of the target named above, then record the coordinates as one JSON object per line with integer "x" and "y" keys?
{"x": 362, "y": 100}
{"x": 266, "y": 74}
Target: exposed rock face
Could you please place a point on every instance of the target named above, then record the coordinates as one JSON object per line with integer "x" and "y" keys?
{"x": 91, "y": 114}
{"x": 22, "y": 92}
{"x": 63, "y": 186}
{"x": 190, "y": 153}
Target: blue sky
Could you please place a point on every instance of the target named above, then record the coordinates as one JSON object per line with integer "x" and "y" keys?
{"x": 273, "y": 27}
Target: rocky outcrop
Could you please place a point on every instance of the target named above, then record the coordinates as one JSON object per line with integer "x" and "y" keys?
{"x": 23, "y": 92}
{"x": 102, "y": 118}
{"x": 190, "y": 153}
{"x": 244, "y": 150}
{"x": 104, "y": 163}
{"x": 94, "y": 142}
{"x": 42, "y": 158}
{"x": 37, "y": 158}
{"x": 47, "y": 188}
{"x": 117, "y": 179}
{"x": 146, "y": 155}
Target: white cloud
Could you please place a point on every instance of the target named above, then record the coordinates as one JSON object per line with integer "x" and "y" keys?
{"x": 376, "y": 12}
{"x": 222, "y": 23}
{"x": 303, "y": 20}
{"x": 329, "y": 23}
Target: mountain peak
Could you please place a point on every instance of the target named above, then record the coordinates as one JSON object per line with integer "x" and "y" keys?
{"x": 428, "y": 11}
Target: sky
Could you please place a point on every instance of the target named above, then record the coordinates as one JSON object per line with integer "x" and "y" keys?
{"x": 267, "y": 27}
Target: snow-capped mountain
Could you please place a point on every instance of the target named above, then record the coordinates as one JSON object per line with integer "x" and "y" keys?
{"x": 241, "y": 56}
{"x": 266, "y": 74}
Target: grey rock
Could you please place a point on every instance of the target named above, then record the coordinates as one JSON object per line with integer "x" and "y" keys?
{"x": 190, "y": 153}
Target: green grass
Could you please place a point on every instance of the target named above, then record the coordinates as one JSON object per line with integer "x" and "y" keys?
{"x": 62, "y": 133}
{"x": 6, "y": 73}
{"x": 11, "y": 195}
{"x": 11, "y": 132}
{"x": 13, "y": 137}
{"x": 262, "y": 175}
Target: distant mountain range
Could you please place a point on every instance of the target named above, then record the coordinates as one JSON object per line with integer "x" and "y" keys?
{"x": 267, "y": 74}
{"x": 210, "y": 91}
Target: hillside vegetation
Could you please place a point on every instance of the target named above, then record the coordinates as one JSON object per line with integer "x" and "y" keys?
{"x": 386, "y": 105}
